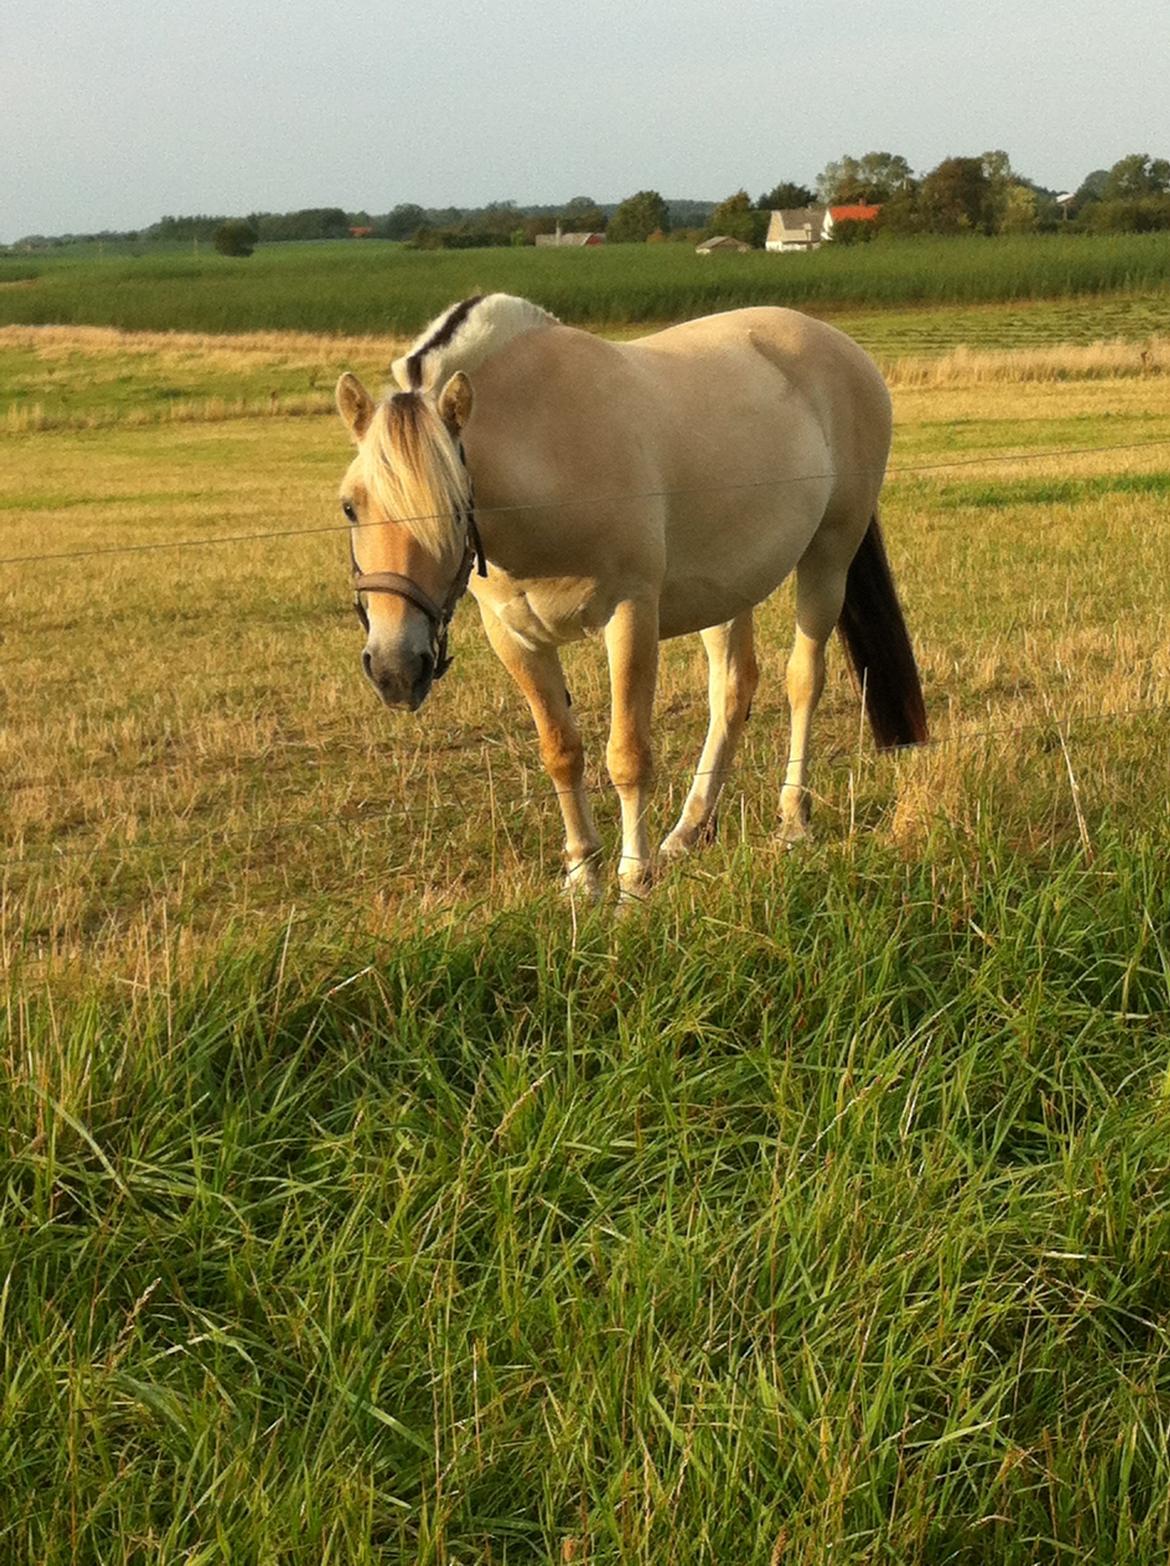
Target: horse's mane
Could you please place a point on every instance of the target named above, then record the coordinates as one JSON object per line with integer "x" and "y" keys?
{"x": 413, "y": 472}
{"x": 463, "y": 337}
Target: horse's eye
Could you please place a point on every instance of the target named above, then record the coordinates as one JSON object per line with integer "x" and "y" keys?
{"x": 349, "y": 511}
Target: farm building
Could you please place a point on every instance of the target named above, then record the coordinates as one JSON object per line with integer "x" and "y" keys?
{"x": 807, "y": 228}
{"x": 577, "y": 240}
{"x": 796, "y": 228}
{"x": 720, "y": 242}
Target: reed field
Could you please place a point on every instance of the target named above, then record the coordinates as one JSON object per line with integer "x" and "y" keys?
{"x": 357, "y": 287}
{"x": 362, "y": 1201}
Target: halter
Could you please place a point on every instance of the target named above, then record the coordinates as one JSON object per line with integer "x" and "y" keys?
{"x": 439, "y": 615}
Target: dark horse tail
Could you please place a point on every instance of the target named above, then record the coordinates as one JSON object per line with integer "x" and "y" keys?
{"x": 879, "y": 649}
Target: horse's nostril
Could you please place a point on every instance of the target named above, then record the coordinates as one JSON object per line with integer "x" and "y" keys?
{"x": 426, "y": 668}
{"x": 368, "y": 665}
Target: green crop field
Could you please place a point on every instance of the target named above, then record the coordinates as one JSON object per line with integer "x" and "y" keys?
{"x": 363, "y": 1202}
{"x": 368, "y": 286}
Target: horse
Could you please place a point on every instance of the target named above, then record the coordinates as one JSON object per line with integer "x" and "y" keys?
{"x": 634, "y": 491}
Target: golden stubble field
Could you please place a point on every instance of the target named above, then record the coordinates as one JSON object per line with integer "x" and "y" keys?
{"x": 188, "y": 748}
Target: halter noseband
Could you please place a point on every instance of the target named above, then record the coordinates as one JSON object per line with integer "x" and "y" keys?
{"x": 439, "y": 615}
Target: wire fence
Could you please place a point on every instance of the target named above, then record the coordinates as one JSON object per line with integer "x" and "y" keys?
{"x": 1053, "y": 724}
{"x": 585, "y": 501}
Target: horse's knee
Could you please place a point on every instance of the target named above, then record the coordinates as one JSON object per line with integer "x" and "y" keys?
{"x": 630, "y": 763}
{"x": 563, "y": 756}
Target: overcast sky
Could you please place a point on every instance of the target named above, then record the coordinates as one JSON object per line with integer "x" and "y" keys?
{"x": 113, "y": 112}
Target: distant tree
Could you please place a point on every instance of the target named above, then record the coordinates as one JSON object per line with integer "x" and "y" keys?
{"x": 638, "y": 217}
{"x": 1135, "y": 176}
{"x": 1137, "y": 215}
{"x": 737, "y": 218}
{"x": 854, "y": 231}
{"x": 582, "y": 215}
{"x": 1091, "y": 188}
{"x": 235, "y": 239}
{"x": 689, "y": 214}
{"x": 1018, "y": 213}
{"x": 900, "y": 215}
{"x": 403, "y": 222}
{"x": 785, "y": 196}
{"x": 956, "y": 197}
{"x": 307, "y": 223}
{"x": 875, "y": 176}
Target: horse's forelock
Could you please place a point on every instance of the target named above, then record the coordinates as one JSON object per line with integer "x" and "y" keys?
{"x": 414, "y": 473}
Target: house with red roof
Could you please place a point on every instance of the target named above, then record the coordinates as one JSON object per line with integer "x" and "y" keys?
{"x": 807, "y": 228}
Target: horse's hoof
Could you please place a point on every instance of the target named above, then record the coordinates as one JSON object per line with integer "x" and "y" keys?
{"x": 793, "y": 833}
{"x": 673, "y": 847}
{"x": 683, "y": 841}
{"x": 582, "y": 883}
{"x": 629, "y": 902}
{"x": 635, "y": 886}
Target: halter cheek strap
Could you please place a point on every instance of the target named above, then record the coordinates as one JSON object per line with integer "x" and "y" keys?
{"x": 402, "y": 586}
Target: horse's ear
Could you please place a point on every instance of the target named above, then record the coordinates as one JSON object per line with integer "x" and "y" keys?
{"x": 455, "y": 402}
{"x": 355, "y": 405}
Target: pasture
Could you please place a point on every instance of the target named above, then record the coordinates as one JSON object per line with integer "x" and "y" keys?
{"x": 362, "y": 1202}
{"x": 370, "y": 286}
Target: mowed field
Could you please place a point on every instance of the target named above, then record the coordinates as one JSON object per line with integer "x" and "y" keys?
{"x": 364, "y": 1202}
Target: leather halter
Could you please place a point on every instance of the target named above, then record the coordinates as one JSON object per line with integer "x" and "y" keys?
{"x": 439, "y": 615}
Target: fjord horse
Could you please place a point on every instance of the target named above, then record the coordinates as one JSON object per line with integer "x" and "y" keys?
{"x": 634, "y": 491}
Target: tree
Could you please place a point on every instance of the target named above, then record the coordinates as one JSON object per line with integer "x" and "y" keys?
{"x": 235, "y": 239}
{"x": 956, "y": 197}
{"x": 582, "y": 215}
{"x": 737, "y": 218}
{"x": 1136, "y": 176}
{"x": 875, "y": 176}
{"x": 403, "y": 222}
{"x": 1018, "y": 214}
{"x": 785, "y": 196}
{"x": 853, "y": 231}
{"x": 638, "y": 217}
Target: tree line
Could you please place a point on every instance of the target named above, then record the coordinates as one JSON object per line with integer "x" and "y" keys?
{"x": 961, "y": 195}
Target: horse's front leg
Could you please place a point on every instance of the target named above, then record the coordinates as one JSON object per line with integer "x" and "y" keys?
{"x": 540, "y": 676}
{"x": 631, "y": 641}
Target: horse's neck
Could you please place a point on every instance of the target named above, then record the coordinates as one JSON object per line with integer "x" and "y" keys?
{"x": 464, "y": 336}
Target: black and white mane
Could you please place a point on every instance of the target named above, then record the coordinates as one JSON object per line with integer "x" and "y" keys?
{"x": 463, "y": 337}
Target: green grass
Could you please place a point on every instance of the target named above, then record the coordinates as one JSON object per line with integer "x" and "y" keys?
{"x": 374, "y": 287}
{"x": 361, "y": 1203}
{"x": 821, "y": 1216}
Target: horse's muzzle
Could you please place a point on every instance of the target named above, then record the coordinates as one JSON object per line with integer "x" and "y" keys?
{"x": 403, "y": 684}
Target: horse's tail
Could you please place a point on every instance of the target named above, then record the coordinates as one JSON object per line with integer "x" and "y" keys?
{"x": 878, "y": 645}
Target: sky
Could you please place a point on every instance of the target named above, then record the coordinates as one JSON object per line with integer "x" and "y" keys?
{"x": 114, "y": 112}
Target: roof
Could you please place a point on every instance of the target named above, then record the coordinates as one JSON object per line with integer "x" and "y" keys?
{"x": 722, "y": 242}
{"x": 855, "y": 212}
{"x": 570, "y": 239}
{"x": 800, "y": 222}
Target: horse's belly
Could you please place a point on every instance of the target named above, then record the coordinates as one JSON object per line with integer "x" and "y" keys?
{"x": 716, "y": 573}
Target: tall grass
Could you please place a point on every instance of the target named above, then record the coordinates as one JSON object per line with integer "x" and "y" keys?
{"x": 372, "y": 287}
{"x": 822, "y": 1216}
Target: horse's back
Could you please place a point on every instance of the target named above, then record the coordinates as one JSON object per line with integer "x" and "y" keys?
{"x": 775, "y": 354}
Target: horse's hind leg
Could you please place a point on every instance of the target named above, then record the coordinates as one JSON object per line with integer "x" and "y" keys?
{"x": 731, "y": 683}
{"x": 820, "y": 593}
{"x": 539, "y": 675}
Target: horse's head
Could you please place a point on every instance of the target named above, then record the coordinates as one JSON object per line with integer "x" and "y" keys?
{"x": 407, "y": 497}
